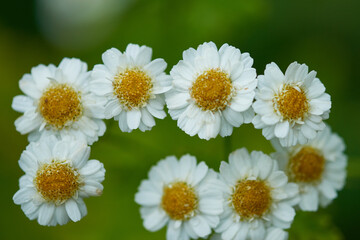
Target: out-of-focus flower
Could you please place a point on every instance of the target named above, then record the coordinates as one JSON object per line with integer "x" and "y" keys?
{"x": 79, "y": 24}
{"x": 318, "y": 167}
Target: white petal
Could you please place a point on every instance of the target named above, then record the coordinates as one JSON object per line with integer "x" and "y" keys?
{"x": 327, "y": 189}
{"x": 156, "y": 67}
{"x": 316, "y": 89}
{"x": 284, "y": 212}
{"x": 258, "y": 232}
{"x": 46, "y": 213}
{"x": 72, "y": 70}
{"x": 28, "y": 86}
{"x": 143, "y": 56}
{"x": 320, "y": 105}
{"x": 273, "y": 76}
{"x": 123, "y": 122}
{"x": 243, "y": 231}
{"x": 155, "y": 220}
{"x": 173, "y": 232}
{"x": 308, "y": 132}
{"x": 82, "y": 207}
{"x": 276, "y": 234}
{"x": 226, "y": 128}
{"x": 147, "y": 198}
{"x": 28, "y": 122}
{"x": 309, "y": 200}
{"x": 102, "y": 87}
{"x": 91, "y": 167}
{"x": 133, "y": 119}
{"x": 229, "y": 233}
{"x": 29, "y": 207}
{"x": 241, "y": 103}
{"x": 266, "y": 166}
{"x": 277, "y": 179}
{"x": 61, "y": 215}
{"x": 211, "y": 206}
{"x": 100, "y": 71}
{"x": 41, "y": 75}
{"x": 23, "y": 195}
{"x": 156, "y": 112}
{"x": 200, "y": 172}
{"x": 72, "y": 210}
{"x": 22, "y": 103}
{"x": 60, "y": 150}
{"x": 187, "y": 165}
{"x": 225, "y": 222}
{"x": 282, "y": 129}
{"x": 28, "y": 162}
{"x": 147, "y": 118}
{"x": 177, "y": 100}
{"x": 233, "y": 117}
{"x": 111, "y": 59}
{"x": 270, "y": 119}
{"x": 80, "y": 154}
{"x": 200, "y": 226}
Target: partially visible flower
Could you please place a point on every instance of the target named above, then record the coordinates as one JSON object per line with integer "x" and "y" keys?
{"x": 318, "y": 167}
{"x": 290, "y": 107}
{"x": 271, "y": 234}
{"x": 132, "y": 87}
{"x": 183, "y": 195}
{"x": 58, "y": 175}
{"x": 257, "y": 197}
{"x": 212, "y": 90}
{"x": 58, "y": 102}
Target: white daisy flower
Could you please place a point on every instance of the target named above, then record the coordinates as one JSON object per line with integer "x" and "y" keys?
{"x": 58, "y": 175}
{"x": 132, "y": 87}
{"x": 318, "y": 167}
{"x": 290, "y": 107}
{"x": 257, "y": 197}
{"x": 212, "y": 90}
{"x": 271, "y": 234}
{"x": 183, "y": 195}
{"x": 58, "y": 102}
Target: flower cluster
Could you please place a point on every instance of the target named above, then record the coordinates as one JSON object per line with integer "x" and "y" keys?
{"x": 209, "y": 92}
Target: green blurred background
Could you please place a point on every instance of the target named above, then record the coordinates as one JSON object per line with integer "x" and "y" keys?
{"x": 324, "y": 34}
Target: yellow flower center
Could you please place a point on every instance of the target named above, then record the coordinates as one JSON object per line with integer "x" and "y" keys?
{"x": 291, "y": 103}
{"x": 179, "y": 201}
{"x": 212, "y": 90}
{"x": 132, "y": 87}
{"x": 251, "y": 198}
{"x": 57, "y": 181}
{"x": 59, "y": 105}
{"x": 306, "y": 166}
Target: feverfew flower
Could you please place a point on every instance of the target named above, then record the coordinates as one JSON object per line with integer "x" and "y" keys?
{"x": 258, "y": 199}
{"x": 183, "y": 195}
{"x": 57, "y": 177}
{"x": 290, "y": 107}
{"x": 318, "y": 167}
{"x": 212, "y": 90}
{"x": 58, "y": 102}
{"x": 132, "y": 87}
{"x": 271, "y": 234}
